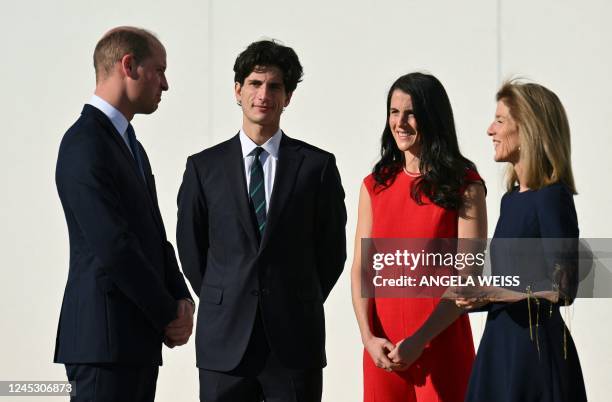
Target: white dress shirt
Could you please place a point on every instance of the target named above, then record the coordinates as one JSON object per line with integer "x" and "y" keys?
{"x": 116, "y": 117}
{"x": 268, "y": 159}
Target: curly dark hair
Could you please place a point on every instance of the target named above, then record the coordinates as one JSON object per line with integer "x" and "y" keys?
{"x": 443, "y": 165}
{"x": 268, "y": 53}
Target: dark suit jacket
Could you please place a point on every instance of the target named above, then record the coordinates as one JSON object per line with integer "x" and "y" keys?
{"x": 292, "y": 271}
{"x": 123, "y": 279}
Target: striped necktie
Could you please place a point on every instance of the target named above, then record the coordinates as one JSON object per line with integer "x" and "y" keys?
{"x": 257, "y": 191}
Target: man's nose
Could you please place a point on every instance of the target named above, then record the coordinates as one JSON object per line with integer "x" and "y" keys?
{"x": 164, "y": 84}
{"x": 264, "y": 92}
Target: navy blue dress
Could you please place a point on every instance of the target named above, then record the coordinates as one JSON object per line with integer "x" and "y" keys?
{"x": 513, "y": 365}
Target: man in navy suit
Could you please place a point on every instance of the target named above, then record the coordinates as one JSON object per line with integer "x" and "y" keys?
{"x": 261, "y": 236}
{"x": 125, "y": 294}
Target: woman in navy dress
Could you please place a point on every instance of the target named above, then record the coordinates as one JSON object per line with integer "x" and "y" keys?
{"x": 526, "y": 353}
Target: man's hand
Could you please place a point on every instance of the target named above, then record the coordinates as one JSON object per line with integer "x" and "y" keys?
{"x": 406, "y": 352}
{"x": 378, "y": 348}
{"x": 177, "y": 333}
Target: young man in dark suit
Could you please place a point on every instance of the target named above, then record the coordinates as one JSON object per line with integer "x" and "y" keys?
{"x": 125, "y": 293}
{"x": 261, "y": 236}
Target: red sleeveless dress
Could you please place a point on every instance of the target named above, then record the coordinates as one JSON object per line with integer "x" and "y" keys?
{"x": 442, "y": 372}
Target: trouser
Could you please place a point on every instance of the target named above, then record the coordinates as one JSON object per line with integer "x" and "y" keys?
{"x": 112, "y": 383}
{"x": 261, "y": 377}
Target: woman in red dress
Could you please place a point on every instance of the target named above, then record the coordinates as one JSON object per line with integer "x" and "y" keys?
{"x": 417, "y": 349}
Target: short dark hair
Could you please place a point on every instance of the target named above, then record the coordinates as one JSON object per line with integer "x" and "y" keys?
{"x": 269, "y": 53}
{"x": 121, "y": 41}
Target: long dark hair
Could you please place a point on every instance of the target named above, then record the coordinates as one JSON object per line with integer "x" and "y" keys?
{"x": 441, "y": 163}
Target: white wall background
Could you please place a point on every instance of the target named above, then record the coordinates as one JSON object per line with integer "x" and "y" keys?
{"x": 351, "y": 52}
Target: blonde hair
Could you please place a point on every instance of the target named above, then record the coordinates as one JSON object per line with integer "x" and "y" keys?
{"x": 543, "y": 132}
{"x": 121, "y": 41}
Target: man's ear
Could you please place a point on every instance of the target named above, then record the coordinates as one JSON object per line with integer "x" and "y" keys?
{"x": 238, "y": 92}
{"x": 128, "y": 66}
{"x": 289, "y": 95}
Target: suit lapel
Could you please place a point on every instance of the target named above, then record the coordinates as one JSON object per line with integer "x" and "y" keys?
{"x": 152, "y": 191}
{"x": 236, "y": 181}
{"x": 289, "y": 161}
{"x": 116, "y": 138}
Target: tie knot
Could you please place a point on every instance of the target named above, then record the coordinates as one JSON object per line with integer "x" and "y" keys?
{"x": 130, "y": 131}
{"x": 257, "y": 151}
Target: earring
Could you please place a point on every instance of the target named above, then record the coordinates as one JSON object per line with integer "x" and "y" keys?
{"x": 239, "y": 103}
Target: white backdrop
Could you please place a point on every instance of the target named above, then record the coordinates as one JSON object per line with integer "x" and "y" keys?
{"x": 351, "y": 52}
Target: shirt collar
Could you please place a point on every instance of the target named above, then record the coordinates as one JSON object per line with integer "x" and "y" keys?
{"x": 271, "y": 146}
{"x": 115, "y": 116}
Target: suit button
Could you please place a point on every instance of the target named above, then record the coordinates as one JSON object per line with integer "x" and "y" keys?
{"x": 265, "y": 292}
{"x": 255, "y": 292}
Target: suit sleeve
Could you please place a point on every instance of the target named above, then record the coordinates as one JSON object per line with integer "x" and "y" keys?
{"x": 559, "y": 231}
{"x": 192, "y": 227}
{"x": 86, "y": 184}
{"x": 175, "y": 281}
{"x": 174, "y": 278}
{"x": 331, "y": 226}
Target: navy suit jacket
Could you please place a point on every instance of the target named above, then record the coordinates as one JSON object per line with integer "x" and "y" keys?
{"x": 123, "y": 279}
{"x": 288, "y": 275}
